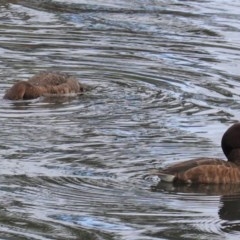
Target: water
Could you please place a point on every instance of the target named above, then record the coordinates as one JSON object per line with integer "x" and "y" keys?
{"x": 165, "y": 86}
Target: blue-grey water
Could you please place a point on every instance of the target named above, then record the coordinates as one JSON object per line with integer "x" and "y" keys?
{"x": 165, "y": 85}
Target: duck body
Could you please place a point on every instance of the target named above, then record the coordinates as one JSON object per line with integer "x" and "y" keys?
{"x": 44, "y": 83}
{"x": 201, "y": 170}
{"x": 209, "y": 170}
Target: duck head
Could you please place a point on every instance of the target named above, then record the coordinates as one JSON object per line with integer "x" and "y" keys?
{"x": 231, "y": 143}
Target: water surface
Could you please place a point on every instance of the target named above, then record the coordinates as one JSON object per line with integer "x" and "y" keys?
{"x": 165, "y": 86}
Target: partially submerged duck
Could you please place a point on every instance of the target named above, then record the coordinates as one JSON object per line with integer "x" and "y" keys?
{"x": 44, "y": 83}
{"x": 209, "y": 170}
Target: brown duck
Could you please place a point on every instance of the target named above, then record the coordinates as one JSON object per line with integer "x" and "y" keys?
{"x": 44, "y": 83}
{"x": 209, "y": 170}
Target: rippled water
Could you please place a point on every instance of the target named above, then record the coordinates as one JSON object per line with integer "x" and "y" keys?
{"x": 165, "y": 86}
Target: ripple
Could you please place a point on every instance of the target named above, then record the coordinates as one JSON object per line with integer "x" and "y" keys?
{"x": 164, "y": 87}
{"x": 93, "y": 222}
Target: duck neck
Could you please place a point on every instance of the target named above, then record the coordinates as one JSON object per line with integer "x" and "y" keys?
{"x": 234, "y": 156}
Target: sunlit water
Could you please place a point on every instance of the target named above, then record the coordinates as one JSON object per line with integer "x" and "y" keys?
{"x": 165, "y": 85}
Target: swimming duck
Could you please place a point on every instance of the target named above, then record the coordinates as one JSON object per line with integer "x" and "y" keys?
{"x": 209, "y": 170}
{"x": 42, "y": 84}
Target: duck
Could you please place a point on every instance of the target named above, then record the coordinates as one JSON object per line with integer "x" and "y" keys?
{"x": 42, "y": 84}
{"x": 208, "y": 170}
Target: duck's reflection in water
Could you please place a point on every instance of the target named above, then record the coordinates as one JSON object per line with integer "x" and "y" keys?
{"x": 229, "y": 203}
{"x": 230, "y": 212}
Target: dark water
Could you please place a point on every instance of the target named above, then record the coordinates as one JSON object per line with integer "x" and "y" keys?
{"x": 166, "y": 85}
